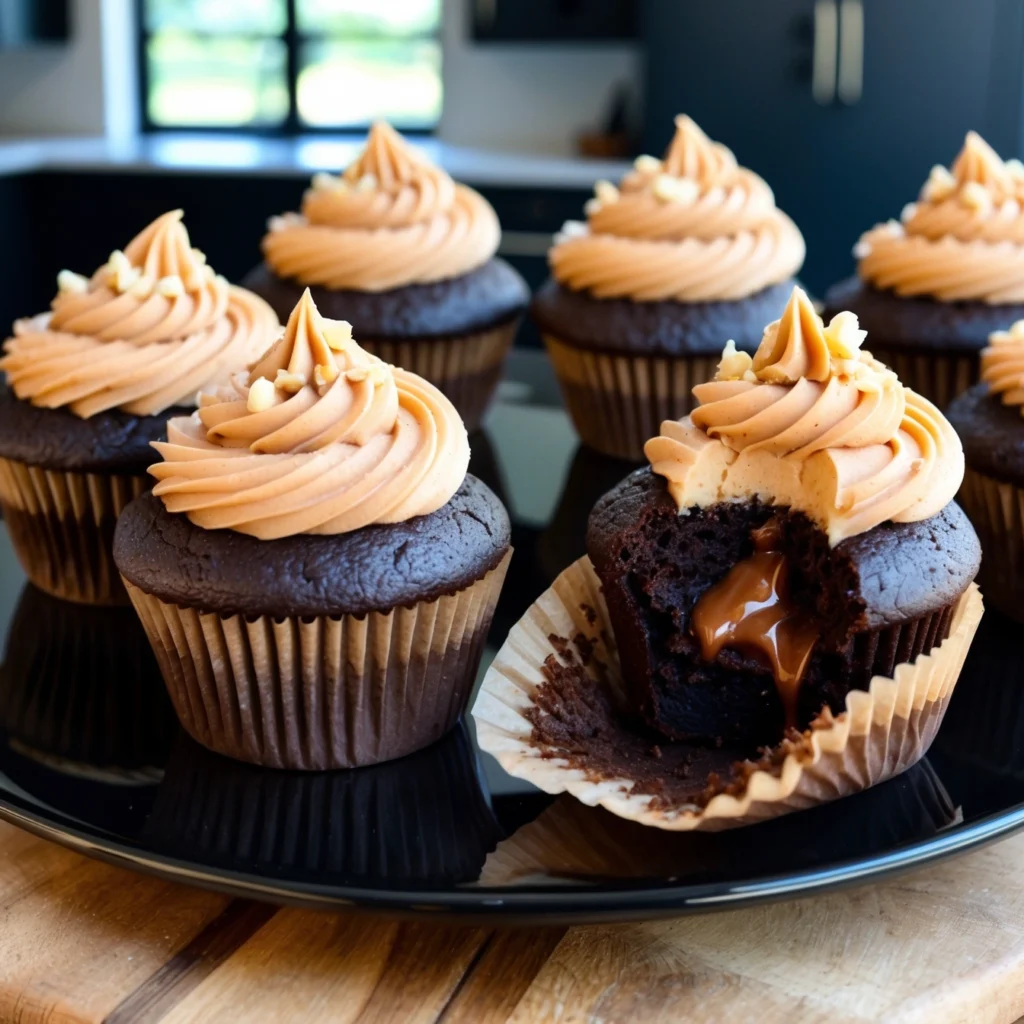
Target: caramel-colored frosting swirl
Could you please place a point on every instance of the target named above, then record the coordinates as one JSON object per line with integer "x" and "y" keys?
{"x": 318, "y": 437}
{"x": 1002, "y": 365}
{"x": 813, "y": 423}
{"x": 963, "y": 238}
{"x": 392, "y": 219}
{"x": 149, "y": 329}
{"x": 693, "y": 227}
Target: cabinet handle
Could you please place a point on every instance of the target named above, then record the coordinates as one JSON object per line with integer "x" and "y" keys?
{"x": 826, "y": 37}
{"x": 851, "y": 51}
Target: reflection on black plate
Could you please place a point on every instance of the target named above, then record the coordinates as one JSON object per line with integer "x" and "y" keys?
{"x": 90, "y": 752}
{"x": 423, "y": 820}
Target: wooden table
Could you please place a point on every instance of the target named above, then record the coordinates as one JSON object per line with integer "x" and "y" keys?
{"x": 84, "y": 941}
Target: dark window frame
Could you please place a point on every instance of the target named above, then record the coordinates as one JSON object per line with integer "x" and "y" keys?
{"x": 292, "y": 124}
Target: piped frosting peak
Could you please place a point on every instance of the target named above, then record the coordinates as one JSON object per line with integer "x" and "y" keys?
{"x": 391, "y": 219}
{"x": 318, "y": 436}
{"x": 962, "y": 240}
{"x": 693, "y": 226}
{"x": 151, "y": 327}
{"x": 1002, "y": 365}
{"x": 815, "y": 423}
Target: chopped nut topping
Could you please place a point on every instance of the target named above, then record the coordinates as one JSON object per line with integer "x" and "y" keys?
{"x": 122, "y": 275}
{"x": 1016, "y": 168}
{"x": 1010, "y": 209}
{"x": 572, "y": 229}
{"x": 844, "y": 335}
{"x": 324, "y": 374}
{"x": 670, "y": 189}
{"x": 324, "y": 182}
{"x": 734, "y": 364}
{"x": 591, "y": 206}
{"x": 357, "y": 374}
{"x": 261, "y": 395}
{"x": 976, "y": 197}
{"x": 862, "y": 250}
{"x": 200, "y": 256}
{"x": 367, "y": 183}
{"x": 606, "y": 192}
{"x": 338, "y": 334}
{"x": 69, "y": 281}
{"x": 940, "y": 185}
{"x": 289, "y": 382}
{"x": 143, "y": 288}
{"x": 1017, "y": 330}
{"x": 170, "y": 287}
{"x": 379, "y": 373}
{"x": 907, "y": 214}
{"x": 647, "y": 164}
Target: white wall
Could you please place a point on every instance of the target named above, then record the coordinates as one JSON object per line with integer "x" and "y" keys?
{"x": 84, "y": 87}
{"x": 525, "y": 97}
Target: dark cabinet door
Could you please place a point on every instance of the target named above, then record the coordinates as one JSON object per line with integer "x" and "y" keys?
{"x": 843, "y": 106}
{"x": 514, "y": 21}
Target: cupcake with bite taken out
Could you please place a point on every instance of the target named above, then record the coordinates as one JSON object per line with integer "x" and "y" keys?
{"x": 314, "y": 568}
{"x": 406, "y": 254}
{"x": 89, "y": 385}
{"x": 931, "y": 287}
{"x": 686, "y": 251}
{"x": 773, "y": 614}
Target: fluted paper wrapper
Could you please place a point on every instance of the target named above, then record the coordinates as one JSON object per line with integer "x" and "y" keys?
{"x": 996, "y": 510}
{"x": 323, "y": 692}
{"x": 938, "y": 376}
{"x": 62, "y": 528}
{"x": 617, "y": 402}
{"x": 466, "y": 367}
{"x": 882, "y": 731}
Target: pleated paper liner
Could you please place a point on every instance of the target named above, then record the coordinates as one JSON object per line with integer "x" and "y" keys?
{"x": 560, "y": 667}
{"x": 325, "y": 692}
{"x": 423, "y": 819}
{"x": 938, "y": 376}
{"x": 61, "y": 525}
{"x": 467, "y": 367}
{"x": 996, "y": 510}
{"x": 617, "y": 402}
{"x": 80, "y": 689}
{"x": 574, "y": 842}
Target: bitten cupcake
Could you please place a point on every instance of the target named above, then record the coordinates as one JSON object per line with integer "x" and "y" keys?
{"x": 988, "y": 419}
{"x": 405, "y": 254}
{"x": 88, "y": 385}
{"x": 314, "y": 568}
{"x": 687, "y": 251}
{"x": 772, "y": 615}
{"x": 931, "y": 287}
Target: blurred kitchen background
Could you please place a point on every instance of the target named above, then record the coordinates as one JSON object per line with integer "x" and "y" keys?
{"x": 112, "y": 111}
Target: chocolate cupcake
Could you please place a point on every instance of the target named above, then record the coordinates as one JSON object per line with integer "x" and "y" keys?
{"x": 406, "y": 255}
{"x": 988, "y": 418}
{"x": 773, "y": 614}
{"x": 685, "y": 252}
{"x": 88, "y": 388}
{"x": 931, "y": 287}
{"x": 314, "y": 568}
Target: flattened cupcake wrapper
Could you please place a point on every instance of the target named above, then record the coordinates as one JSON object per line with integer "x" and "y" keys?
{"x": 996, "y": 510}
{"x": 618, "y": 401}
{"x": 323, "y": 692}
{"x": 62, "y": 528}
{"x": 467, "y": 367}
{"x": 882, "y": 732}
{"x": 938, "y": 376}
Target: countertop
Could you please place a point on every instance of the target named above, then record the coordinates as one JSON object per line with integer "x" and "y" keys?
{"x": 300, "y": 156}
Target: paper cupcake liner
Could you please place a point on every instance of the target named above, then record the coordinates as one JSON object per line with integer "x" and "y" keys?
{"x": 569, "y": 840}
{"x": 881, "y": 732}
{"x": 467, "y": 368}
{"x": 80, "y": 685}
{"x": 996, "y": 509}
{"x": 617, "y": 402}
{"x": 423, "y": 820}
{"x": 323, "y": 692}
{"x": 62, "y": 528}
{"x": 938, "y": 376}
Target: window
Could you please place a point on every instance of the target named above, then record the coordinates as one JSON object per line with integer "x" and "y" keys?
{"x": 290, "y": 65}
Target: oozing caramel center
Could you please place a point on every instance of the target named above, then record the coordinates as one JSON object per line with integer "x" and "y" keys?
{"x": 751, "y": 611}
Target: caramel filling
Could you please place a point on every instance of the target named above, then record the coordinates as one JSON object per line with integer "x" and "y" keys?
{"x": 751, "y": 611}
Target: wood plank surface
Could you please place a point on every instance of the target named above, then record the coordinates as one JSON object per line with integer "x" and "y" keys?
{"x": 83, "y": 941}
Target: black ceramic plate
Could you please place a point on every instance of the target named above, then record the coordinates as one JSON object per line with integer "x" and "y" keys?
{"x": 91, "y": 756}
